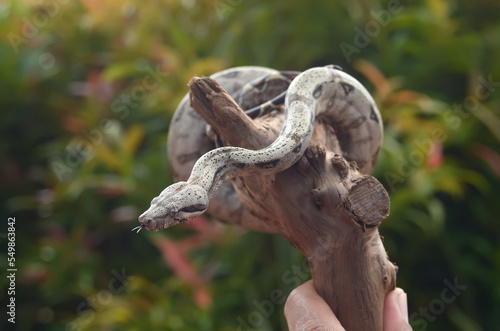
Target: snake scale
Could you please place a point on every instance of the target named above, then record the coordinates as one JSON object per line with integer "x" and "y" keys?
{"x": 323, "y": 92}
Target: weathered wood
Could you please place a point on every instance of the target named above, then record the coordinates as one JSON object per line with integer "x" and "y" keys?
{"x": 219, "y": 110}
{"x": 322, "y": 205}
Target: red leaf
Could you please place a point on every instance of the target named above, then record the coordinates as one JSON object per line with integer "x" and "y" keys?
{"x": 436, "y": 158}
{"x": 176, "y": 258}
{"x": 490, "y": 157}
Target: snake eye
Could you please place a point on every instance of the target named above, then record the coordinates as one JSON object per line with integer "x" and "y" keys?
{"x": 193, "y": 208}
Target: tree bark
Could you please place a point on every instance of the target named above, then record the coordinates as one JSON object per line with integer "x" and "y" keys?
{"x": 322, "y": 205}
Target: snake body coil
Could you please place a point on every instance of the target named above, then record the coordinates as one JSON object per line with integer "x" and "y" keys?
{"x": 325, "y": 93}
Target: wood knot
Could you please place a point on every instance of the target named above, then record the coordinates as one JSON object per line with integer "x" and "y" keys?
{"x": 341, "y": 165}
{"x": 315, "y": 152}
{"x": 318, "y": 196}
{"x": 354, "y": 165}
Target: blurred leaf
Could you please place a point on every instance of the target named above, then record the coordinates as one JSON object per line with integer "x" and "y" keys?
{"x": 119, "y": 70}
{"x": 132, "y": 139}
{"x": 106, "y": 155}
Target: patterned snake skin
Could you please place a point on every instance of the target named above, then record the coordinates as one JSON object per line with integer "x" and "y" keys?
{"x": 325, "y": 92}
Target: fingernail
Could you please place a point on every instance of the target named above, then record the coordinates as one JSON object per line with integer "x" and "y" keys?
{"x": 402, "y": 302}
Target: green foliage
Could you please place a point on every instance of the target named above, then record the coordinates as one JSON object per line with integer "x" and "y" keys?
{"x": 87, "y": 91}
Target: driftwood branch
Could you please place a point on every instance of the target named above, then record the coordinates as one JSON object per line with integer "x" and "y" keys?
{"x": 323, "y": 205}
{"x": 219, "y": 110}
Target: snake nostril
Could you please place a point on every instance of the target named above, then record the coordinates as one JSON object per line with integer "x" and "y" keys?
{"x": 144, "y": 220}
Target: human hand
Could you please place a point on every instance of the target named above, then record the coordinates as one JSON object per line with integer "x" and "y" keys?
{"x": 306, "y": 310}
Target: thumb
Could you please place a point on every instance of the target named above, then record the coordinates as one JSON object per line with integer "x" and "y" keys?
{"x": 306, "y": 310}
{"x": 396, "y": 311}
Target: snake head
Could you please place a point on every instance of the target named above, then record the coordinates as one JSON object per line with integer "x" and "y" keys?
{"x": 177, "y": 203}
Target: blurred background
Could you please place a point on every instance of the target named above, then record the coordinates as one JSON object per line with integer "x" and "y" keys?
{"x": 87, "y": 90}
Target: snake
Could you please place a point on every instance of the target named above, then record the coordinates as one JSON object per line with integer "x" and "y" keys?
{"x": 320, "y": 93}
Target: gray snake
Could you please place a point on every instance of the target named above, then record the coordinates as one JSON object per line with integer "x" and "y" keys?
{"x": 323, "y": 92}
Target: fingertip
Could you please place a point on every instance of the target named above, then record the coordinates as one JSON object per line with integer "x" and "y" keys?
{"x": 402, "y": 302}
{"x": 396, "y": 311}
